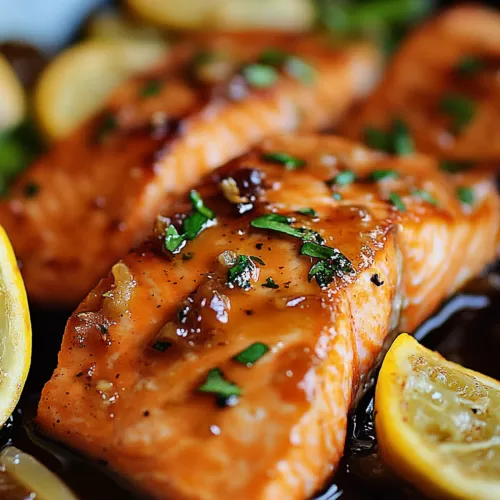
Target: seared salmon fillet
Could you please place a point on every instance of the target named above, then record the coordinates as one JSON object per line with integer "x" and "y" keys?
{"x": 83, "y": 205}
{"x": 220, "y": 358}
{"x": 442, "y": 85}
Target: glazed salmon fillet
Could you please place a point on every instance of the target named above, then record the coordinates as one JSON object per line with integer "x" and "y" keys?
{"x": 82, "y": 206}
{"x": 220, "y": 358}
{"x": 442, "y": 86}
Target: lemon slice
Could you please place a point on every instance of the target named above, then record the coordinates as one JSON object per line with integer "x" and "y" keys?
{"x": 15, "y": 330}
{"x": 12, "y": 96}
{"x": 77, "y": 82}
{"x": 286, "y": 15}
{"x": 25, "y": 476}
{"x": 438, "y": 424}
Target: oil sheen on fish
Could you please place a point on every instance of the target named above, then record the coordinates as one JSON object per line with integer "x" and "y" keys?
{"x": 82, "y": 206}
{"x": 443, "y": 85}
{"x": 220, "y": 358}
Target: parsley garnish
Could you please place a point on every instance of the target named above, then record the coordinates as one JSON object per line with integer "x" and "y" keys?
{"x": 107, "y": 125}
{"x": 382, "y": 174}
{"x": 307, "y": 211}
{"x": 270, "y": 283}
{"x": 31, "y": 190}
{"x": 343, "y": 178}
{"x": 215, "y": 383}
{"x": 289, "y": 162}
{"x": 281, "y": 224}
{"x": 151, "y": 88}
{"x": 455, "y": 166}
{"x": 470, "y": 65}
{"x": 200, "y": 219}
{"x": 460, "y": 109}
{"x": 260, "y": 75}
{"x": 300, "y": 70}
{"x": 425, "y": 195}
{"x": 273, "y": 57}
{"x": 398, "y": 140}
{"x": 161, "y": 345}
{"x": 252, "y": 354}
{"x": 336, "y": 196}
{"x": 465, "y": 194}
{"x": 396, "y": 200}
{"x": 241, "y": 272}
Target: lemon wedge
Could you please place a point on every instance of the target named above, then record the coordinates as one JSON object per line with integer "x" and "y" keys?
{"x": 12, "y": 96}
{"x": 28, "y": 478}
{"x": 438, "y": 423}
{"x": 285, "y": 15}
{"x": 15, "y": 330}
{"x": 77, "y": 82}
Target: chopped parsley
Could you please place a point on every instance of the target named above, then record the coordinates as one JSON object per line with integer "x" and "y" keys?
{"x": 455, "y": 166}
{"x": 242, "y": 272}
{"x": 397, "y": 141}
{"x": 307, "y": 211}
{"x": 343, "y": 178}
{"x": 382, "y": 174}
{"x": 252, "y": 354}
{"x": 396, "y": 200}
{"x": 260, "y": 75}
{"x": 151, "y": 88}
{"x": 300, "y": 70}
{"x": 108, "y": 124}
{"x": 288, "y": 161}
{"x": 425, "y": 196}
{"x": 161, "y": 345}
{"x": 465, "y": 194}
{"x": 282, "y": 224}
{"x": 270, "y": 283}
{"x": 460, "y": 109}
{"x": 201, "y": 218}
{"x": 217, "y": 384}
{"x": 31, "y": 190}
{"x": 336, "y": 196}
{"x": 470, "y": 65}
{"x": 258, "y": 260}
{"x": 273, "y": 57}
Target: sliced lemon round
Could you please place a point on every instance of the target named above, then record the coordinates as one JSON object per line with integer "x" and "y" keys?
{"x": 15, "y": 330}
{"x": 25, "y": 476}
{"x": 438, "y": 423}
{"x": 77, "y": 82}
{"x": 286, "y": 15}
{"x": 12, "y": 96}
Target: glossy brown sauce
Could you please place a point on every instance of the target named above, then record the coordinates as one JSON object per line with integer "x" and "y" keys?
{"x": 465, "y": 330}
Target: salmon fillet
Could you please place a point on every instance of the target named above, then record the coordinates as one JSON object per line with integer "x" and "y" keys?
{"x": 223, "y": 364}
{"x": 82, "y": 206}
{"x": 443, "y": 85}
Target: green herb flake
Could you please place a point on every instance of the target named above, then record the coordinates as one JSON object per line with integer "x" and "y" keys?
{"x": 161, "y": 345}
{"x": 336, "y": 196}
{"x": 31, "y": 190}
{"x": 460, "y": 109}
{"x": 187, "y": 255}
{"x": 307, "y": 211}
{"x": 107, "y": 126}
{"x": 270, "y": 283}
{"x": 454, "y": 167}
{"x": 199, "y": 206}
{"x": 252, "y": 354}
{"x": 241, "y": 273}
{"x": 273, "y": 57}
{"x": 258, "y": 260}
{"x": 260, "y": 75}
{"x": 288, "y": 161}
{"x": 383, "y": 174}
{"x": 217, "y": 384}
{"x": 281, "y": 224}
{"x": 173, "y": 240}
{"x": 470, "y": 65}
{"x": 466, "y": 195}
{"x": 396, "y": 200}
{"x": 377, "y": 139}
{"x": 151, "y": 88}
{"x": 425, "y": 196}
{"x": 300, "y": 70}
{"x": 343, "y": 178}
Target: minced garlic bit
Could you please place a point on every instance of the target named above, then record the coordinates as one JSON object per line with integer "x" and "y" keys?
{"x": 231, "y": 191}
